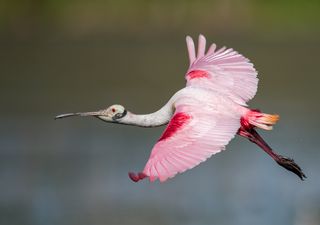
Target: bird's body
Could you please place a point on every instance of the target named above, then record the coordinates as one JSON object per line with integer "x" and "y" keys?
{"x": 204, "y": 116}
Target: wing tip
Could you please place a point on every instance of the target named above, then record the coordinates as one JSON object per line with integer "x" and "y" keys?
{"x": 135, "y": 177}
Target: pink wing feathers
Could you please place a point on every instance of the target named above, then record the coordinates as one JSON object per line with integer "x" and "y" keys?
{"x": 194, "y": 133}
{"x": 201, "y": 128}
{"x": 224, "y": 71}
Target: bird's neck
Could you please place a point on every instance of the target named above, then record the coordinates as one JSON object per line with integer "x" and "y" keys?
{"x": 158, "y": 118}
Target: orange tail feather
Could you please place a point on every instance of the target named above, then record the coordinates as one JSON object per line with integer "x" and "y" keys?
{"x": 262, "y": 120}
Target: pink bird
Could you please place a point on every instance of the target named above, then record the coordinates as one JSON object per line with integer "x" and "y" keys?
{"x": 204, "y": 116}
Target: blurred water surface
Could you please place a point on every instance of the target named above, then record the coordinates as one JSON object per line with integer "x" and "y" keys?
{"x": 67, "y": 56}
{"x": 75, "y": 171}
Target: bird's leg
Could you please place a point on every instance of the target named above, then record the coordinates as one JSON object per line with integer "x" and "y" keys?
{"x": 252, "y": 135}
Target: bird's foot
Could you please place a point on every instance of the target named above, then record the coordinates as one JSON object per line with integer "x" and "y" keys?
{"x": 136, "y": 177}
{"x": 290, "y": 165}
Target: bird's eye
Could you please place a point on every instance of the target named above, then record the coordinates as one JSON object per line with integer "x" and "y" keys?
{"x": 113, "y": 110}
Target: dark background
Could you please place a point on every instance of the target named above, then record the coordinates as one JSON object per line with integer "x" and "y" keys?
{"x": 63, "y": 56}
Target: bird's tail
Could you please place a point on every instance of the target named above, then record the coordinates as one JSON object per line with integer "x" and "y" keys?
{"x": 261, "y": 120}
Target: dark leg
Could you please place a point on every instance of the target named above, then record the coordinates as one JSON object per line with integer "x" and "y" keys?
{"x": 252, "y": 135}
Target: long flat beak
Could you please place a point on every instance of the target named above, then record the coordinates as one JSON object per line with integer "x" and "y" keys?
{"x": 61, "y": 116}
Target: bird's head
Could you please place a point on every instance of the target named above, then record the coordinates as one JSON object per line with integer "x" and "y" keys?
{"x": 114, "y": 113}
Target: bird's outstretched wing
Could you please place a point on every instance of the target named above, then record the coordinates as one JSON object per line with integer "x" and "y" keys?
{"x": 194, "y": 133}
{"x": 224, "y": 71}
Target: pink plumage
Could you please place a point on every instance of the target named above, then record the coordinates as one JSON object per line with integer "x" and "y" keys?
{"x": 229, "y": 72}
{"x": 207, "y": 130}
{"x": 218, "y": 84}
{"x": 176, "y": 123}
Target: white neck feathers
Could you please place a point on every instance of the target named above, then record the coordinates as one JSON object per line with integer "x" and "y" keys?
{"x": 158, "y": 118}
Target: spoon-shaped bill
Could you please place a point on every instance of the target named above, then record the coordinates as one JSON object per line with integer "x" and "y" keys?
{"x": 61, "y": 116}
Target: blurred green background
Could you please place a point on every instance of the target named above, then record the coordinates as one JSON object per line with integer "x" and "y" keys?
{"x": 64, "y": 56}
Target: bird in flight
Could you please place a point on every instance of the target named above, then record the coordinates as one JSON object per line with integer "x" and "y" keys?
{"x": 202, "y": 117}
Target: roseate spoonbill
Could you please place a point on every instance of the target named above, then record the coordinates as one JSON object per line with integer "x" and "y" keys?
{"x": 204, "y": 116}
